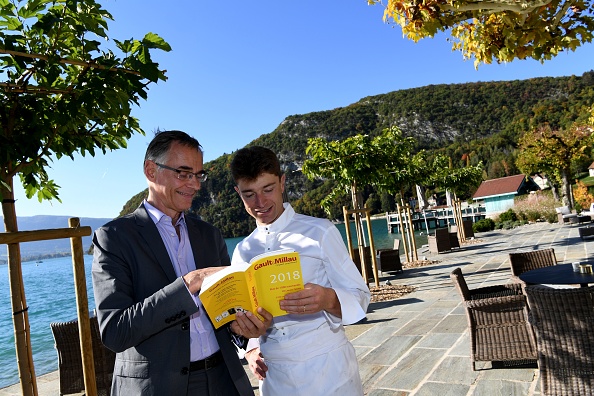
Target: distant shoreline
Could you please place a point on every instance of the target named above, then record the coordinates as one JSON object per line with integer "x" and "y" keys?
{"x": 38, "y": 257}
{"x": 372, "y": 217}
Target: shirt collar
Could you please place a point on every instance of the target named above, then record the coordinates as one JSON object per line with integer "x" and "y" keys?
{"x": 281, "y": 222}
{"x": 157, "y": 216}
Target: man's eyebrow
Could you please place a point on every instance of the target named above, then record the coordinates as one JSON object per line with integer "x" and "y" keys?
{"x": 189, "y": 169}
{"x": 252, "y": 190}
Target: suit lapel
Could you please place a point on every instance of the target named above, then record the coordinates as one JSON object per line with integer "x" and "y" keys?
{"x": 148, "y": 230}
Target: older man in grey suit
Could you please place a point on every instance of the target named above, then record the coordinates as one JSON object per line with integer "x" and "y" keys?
{"x": 148, "y": 268}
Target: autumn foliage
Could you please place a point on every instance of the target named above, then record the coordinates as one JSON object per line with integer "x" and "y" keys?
{"x": 582, "y": 196}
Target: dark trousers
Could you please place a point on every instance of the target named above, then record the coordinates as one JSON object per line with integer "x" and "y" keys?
{"x": 215, "y": 381}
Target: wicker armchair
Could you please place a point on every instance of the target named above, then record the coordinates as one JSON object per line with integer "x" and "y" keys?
{"x": 526, "y": 261}
{"x": 497, "y": 321}
{"x": 70, "y": 362}
{"x": 389, "y": 259}
{"x": 468, "y": 231}
{"x": 454, "y": 242}
{"x": 357, "y": 260}
{"x": 564, "y": 215}
{"x": 563, "y": 320}
{"x": 440, "y": 241}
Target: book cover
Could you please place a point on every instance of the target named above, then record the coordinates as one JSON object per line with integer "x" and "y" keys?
{"x": 263, "y": 282}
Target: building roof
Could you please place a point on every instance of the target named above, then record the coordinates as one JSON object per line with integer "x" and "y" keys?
{"x": 502, "y": 186}
{"x": 591, "y": 166}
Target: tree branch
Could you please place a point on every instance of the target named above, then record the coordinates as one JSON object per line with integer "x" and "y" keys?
{"x": 17, "y": 88}
{"x": 562, "y": 13}
{"x": 497, "y": 6}
{"x": 68, "y": 61}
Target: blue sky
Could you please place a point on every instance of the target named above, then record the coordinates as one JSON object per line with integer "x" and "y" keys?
{"x": 237, "y": 69}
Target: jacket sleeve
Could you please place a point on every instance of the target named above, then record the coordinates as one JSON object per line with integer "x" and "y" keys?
{"x": 135, "y": 297}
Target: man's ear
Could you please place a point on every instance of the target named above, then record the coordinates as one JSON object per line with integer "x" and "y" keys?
{"x": 149, "y": 170}
{"x": 282, "y": 182}
{"x": 237, "y": 189}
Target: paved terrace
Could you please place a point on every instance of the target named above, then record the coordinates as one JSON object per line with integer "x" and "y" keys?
{"x": 418, "y": 344}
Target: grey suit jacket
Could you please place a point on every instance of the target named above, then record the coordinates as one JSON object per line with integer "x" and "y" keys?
{"x": 143, "y": 308}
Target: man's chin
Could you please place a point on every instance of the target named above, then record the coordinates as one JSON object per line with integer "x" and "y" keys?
{"x": 264, "y": 220}
{"x": 186, "y": 206}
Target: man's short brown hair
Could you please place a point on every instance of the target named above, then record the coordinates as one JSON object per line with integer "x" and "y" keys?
{"x": 250, "y": 162}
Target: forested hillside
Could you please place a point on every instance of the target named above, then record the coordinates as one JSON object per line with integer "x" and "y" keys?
{"x": 468, "y": 122}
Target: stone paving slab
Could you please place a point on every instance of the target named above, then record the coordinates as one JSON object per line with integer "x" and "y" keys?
{"x": 391, "y": 350}
{"x": 454, "y": 370}
{"x": 409, "y": 371}
{"x": 435, "y": 388}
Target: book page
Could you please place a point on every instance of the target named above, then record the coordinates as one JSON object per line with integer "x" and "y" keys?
{"x": 273, "y": 275}
{"x": 225, "y": 293}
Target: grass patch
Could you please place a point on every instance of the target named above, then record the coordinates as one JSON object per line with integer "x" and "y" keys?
{"x": 588, "y": 181}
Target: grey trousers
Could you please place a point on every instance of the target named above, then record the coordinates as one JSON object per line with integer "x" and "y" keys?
{"x": 212, "y": 382}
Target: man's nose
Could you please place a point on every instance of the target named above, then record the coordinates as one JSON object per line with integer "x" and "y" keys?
{"x": 195, "y": 183}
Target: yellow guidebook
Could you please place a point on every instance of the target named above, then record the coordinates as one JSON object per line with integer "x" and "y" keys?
{"x": 263, "y": 282}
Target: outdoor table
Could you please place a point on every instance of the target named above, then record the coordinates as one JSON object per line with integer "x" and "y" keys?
{"x": 586, "y": 231}
{"x": 560, "y": 274}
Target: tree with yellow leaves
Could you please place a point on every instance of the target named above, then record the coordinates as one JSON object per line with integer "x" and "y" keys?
{"x": 500, "y": 30}
{"x": 552, "y": 152}
{"x": 582, "y": 196}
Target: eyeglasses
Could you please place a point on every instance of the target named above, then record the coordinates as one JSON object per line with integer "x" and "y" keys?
{"x": 184, "y": 174}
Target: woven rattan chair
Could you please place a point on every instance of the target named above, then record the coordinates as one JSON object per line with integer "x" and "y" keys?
{"x": 525, "y": 261}
{"x": 497, "y": 322}
{"x": 563, "y": 320}
{"x": 357, "y": 260}
{"x": 70, "y": 362}
{"x": 389, "y": 259}
{"x": 440, "y": 241}
{"x": 454, "y": 242}
{"x": 468, "y": 231}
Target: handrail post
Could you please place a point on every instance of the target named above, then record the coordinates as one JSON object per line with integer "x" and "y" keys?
{"x": 82, "y": 305}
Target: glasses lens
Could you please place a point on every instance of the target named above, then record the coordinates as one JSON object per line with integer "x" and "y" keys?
{"x": 183, "y": 175}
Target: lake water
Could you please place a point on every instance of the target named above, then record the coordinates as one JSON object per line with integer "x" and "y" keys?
{"x": 49, "y": 290}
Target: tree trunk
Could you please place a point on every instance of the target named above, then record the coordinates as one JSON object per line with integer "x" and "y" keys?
{"x": 554, "y": 189}
{"x": 356, "y": 198}
{"x": 566, "y": 188}
{"x": 20, "y": 317}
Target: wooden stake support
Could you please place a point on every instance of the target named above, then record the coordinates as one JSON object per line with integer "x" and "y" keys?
{"x": 357, "y": 213}
{"x": 20, "y": 316}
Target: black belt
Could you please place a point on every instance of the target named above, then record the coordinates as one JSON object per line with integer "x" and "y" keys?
{"x": 212, "y": 361}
